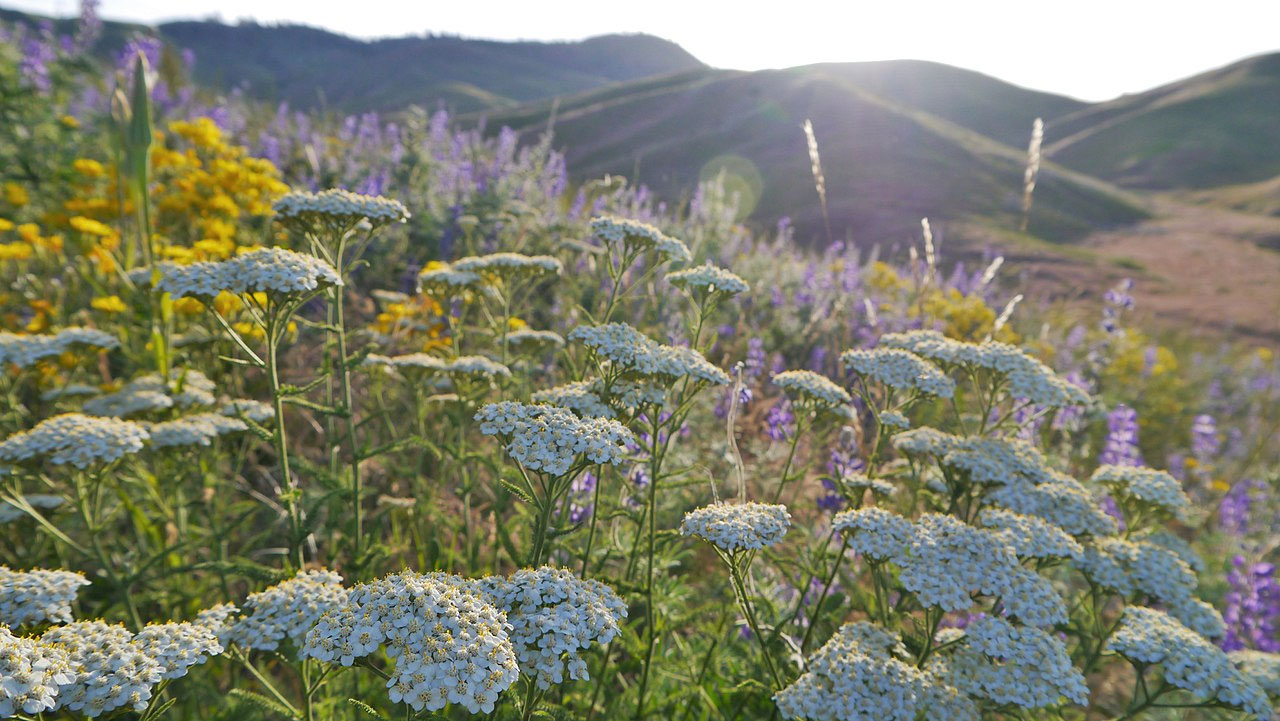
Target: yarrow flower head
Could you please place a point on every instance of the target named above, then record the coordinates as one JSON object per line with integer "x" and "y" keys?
{"x": 899, "y": 369}
{"x": 256, "y": 411}
{"x": 1153, "y": 489}
{"x": 35, "y": 675}
{"x": 177, "y": 646}
{"x": 337, "y": 209}
{"x": 1060, "y": 500}
{"x": 76, "y": 439}
{"x": 550, "y": 439}
{"x": 287, "y": 610}
{"x": 275, "y": 271}
{"x": 708, "y": 280}
{"x": 816, "y": 389}
{"x": 24, "y": 350}
{"x": 554, "y": 616}
{"x": 636, "y": 354}
{"x": 1188, "y": 660}
{"x": 445, "y": 280}
{"x": 508, "y": 266}
{"x": 1260, "y": 667}
{"x": 37, "y": 596}
{"x": 467, "y": 365}
{"x": 861, "y": 674}
{"x": 186, "y": 388}
{"x": 1028, "y": 378}
{"x": 876, "y": 533}
{"x": 111, "y": 670}
{"x": 1015, "y": 665}
{"x": 636, "y": 237}
{"x": 527, "y": 338}
{"x": 1031, "y": 537}
{"x": 199, "y": 429}
{"x": 449, "y": 644}
{"x": 734, "y": 527}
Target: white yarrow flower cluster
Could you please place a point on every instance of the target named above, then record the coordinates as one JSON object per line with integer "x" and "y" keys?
{"x": 815, "y": 388}
{"x": 860, "y": 482}
{"x": 1028, "y": 378}
{"x": 874, "y": 532}
{"x": 509, "y": 266}
{"x": 899, "y": 369}
{"x": 529, "y": 338}
{"x": 636, "y": 236}
{"x": 579, "y": 397}
{"x": 38, "y": 595}
{"x": 1188, "y": 660}
{"x": 467, "y": 365}
{"x": 449, "y": 645}
{"x": 855, "y": 676}
{"x": 187, "y": 388}
{"x": 708, "y": 279}
{"x": 734, "y": 527}
{"x": 1148, "y": 486}
{"x": 266, "y": 270}
{"x": 1060, "y": 500}
{"x": 177, "y": 646}
{"x": 554, "y": 616}
{"x": 636, "y": 354}
{"x": 111, "y": 670}
{"x": 446, "y": 280}
{"x": 341, "y": 206}
{"x": 1030, "y": 536}
{"x": 24, "y": 350}
{"x": 287, "y": 610}
{"x": 76, "y": 439}
{"x": 1015, "y": 665}
{"x": 256, "y": 411}
{"x": 32, "y": 675}
{"x": 195, "y": 430}
{"x": 550, "y": 439}
{"x": 1260, "y": 667}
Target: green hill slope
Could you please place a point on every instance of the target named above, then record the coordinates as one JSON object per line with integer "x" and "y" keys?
{"x": 1217, "y": 128}
{"x": 307, "y": 66}
{"x": 886, "y": 165}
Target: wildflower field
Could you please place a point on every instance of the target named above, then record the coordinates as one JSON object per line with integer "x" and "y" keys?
{"x": 313, "y": 417}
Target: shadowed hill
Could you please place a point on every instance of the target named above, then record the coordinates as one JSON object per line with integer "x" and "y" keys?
{"x": 1216, "y": 128}
{"x": 886, "y": 165}
{"x": 308, "y": 67}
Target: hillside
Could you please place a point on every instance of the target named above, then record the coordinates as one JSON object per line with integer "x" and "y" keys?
{"x": 990, "y": 106}
{"x": 308, "y": 67}
{"x": 886, "y": 165}
{"x": 1213, "y": 129}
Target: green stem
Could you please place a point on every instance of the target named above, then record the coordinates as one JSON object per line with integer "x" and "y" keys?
{"x": 281, "y": 441}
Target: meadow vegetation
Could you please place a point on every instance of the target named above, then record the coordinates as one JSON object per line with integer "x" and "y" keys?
{"x": 314, "y": 417}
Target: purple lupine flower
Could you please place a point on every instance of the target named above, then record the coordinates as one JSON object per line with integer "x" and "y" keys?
{"x": 722, "y": 405}
{"x": 580, "y": 493}
{"x": 781, "y": 421}
{"x": 1068, "y": 418}
{"x": 88, "y": 28}
{"x": 756, "y": 358}
{"x": 1204, "y": 437}
{"x": 1235, "y": 510}
{"x": 37, "y": 54}
{"x": 1121, "y": 446}
{"x": 818, "y": 359}
{"x": 1252, "y": 607}
{"x": 1116, "y": 301}
{"x": 777, "y": 297}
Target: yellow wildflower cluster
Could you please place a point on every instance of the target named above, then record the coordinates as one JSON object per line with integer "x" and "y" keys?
{"x": 959, "y": 316}
{"x": 205, "y": 190}
{"x": 417, "y": 321}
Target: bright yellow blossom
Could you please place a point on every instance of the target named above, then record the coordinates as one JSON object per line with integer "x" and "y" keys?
{"x": 91, "y": 226}
{"x": 109, "y": 304}
{"x": 89, "y": 168}
{"x": 15, "y": 195}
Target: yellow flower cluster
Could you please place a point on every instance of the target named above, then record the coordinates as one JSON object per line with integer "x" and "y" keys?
{"x": 418, "y": 320}
{"x": 205, "y": 190}
{"x": 959, "y": 316}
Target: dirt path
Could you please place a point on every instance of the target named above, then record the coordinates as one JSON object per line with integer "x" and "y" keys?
{"x": 1203, "y": 268}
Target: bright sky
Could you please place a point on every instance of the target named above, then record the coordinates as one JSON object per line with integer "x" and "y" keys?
{"x": 1089, "y": 49}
